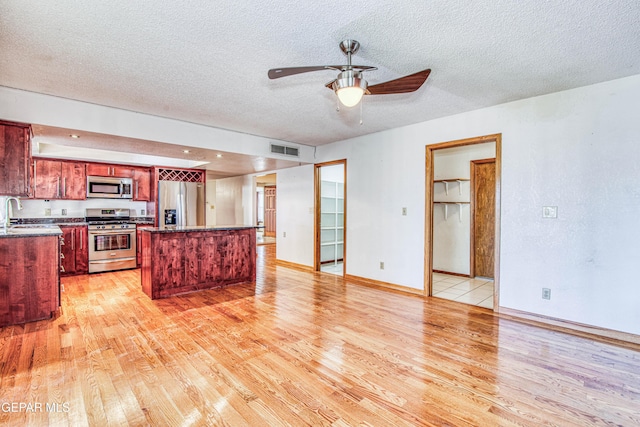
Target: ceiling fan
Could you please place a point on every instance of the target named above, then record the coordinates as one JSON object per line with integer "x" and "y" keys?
{"x": 349, "y": 85}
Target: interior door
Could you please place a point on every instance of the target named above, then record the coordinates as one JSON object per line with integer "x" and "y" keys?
{"x": 483, "y": 175}
{"x": 270, "y": 211}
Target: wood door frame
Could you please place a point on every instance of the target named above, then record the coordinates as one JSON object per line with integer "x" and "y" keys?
{"x": 472, "y": 213}
{"x": 428, "y": 229}
{"x": 316, "y": 225}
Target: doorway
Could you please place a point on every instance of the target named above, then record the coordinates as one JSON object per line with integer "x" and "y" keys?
{"x": 455, "y": 202}
{"x": 265, "y": 214}
{"x": 330, "y": 217}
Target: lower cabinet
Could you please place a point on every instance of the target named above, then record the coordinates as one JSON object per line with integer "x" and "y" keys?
{"x": 29, "y": 285}
{"x": 74, "y": 251}
{"x": 175, "y": 262}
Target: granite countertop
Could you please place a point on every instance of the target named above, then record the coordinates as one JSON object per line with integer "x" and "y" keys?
{"x": 187, "y": 228}
{"x": 30, "y": 230}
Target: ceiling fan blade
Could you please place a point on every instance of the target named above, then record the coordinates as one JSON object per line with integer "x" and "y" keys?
{"x": 276, "y": 73}
{"x": 405, "y": 84}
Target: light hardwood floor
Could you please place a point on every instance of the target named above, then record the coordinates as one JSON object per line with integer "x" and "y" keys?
{"x": 298, "y": 348}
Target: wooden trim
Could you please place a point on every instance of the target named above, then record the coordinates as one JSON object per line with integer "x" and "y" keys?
{"x": 316, "y": 226}
{"x": 428, "y": 233}
{"x": 624, "y": 339}
{"x": 452, "y": 274}
{"x": 371, "y": 283}
{"x": 496, "y": 271}
{"x": 295, "y": 266}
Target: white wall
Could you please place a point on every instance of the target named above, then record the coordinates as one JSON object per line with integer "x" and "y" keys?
{"x": 576, "y": 149}
{"x": 234, "y": 201}
{"x": 295, "y": 214}
{"x": 452, "y": 223}
{"x": 210, "y": 203}
{"x": 35, "y": 108}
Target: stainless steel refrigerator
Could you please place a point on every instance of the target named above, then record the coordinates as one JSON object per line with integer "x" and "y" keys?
{"x": 180, "y": 204}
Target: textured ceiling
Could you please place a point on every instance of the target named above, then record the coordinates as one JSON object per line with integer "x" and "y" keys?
{"x": 206, "y": 62}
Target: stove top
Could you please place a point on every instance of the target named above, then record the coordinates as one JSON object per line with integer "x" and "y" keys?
{"x": 107, "y": 216}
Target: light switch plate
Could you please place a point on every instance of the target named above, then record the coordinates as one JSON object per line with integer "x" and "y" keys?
{"x": 549, "y": 212}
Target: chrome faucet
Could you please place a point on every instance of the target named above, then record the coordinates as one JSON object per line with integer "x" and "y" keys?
{"x": 7, "y": 204}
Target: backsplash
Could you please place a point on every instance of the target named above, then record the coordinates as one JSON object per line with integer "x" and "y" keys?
{"x": 74, "y": 208}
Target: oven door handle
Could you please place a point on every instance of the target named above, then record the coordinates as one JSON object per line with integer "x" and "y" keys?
{"x": 111, "y": 261}
{"x": 103, "y": 232}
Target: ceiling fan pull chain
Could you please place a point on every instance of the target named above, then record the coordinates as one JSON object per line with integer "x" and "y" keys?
{"x": 337, "y": 104}
{"x": 361, "y": 102}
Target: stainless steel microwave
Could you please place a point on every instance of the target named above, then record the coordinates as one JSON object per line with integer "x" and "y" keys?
{"x": 109, "y": 188}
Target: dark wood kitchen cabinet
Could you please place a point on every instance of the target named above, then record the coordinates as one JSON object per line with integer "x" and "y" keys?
{"x": 15, "y": 149}
{"x": 196, "y": 258}
{"x": 29, "y": 281}
{"x": 104, "y": 169}
{"x": 142, "y": 184}
{"x": 74, "y": 250}
{"x": 57, "y": 179}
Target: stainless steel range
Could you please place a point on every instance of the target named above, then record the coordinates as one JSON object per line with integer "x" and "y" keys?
{"x": 112, "y": 240}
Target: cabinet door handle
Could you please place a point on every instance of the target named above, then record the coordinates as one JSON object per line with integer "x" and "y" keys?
{"x": 73, "y": 239}
{"x": 64, "y": 187}
{"x": 136, "y": 189}
{"x": 81, "y": 240}
{"x": 58, "y": 188}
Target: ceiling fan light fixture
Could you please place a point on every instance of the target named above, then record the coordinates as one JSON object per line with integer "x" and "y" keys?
{"x": 350, "y": 87}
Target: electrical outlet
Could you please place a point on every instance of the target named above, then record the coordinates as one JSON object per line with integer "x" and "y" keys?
{"x": 546, "y": 293}
{"x": 404, "y": 211}
{"x": 381, "y": 265}
{"x": 142, "y": 211}
{"x": 284, "y": 234}
{"x": 549, "y": 212}
{"x": 64, "y": 211}
{"x": 47, "y": 211}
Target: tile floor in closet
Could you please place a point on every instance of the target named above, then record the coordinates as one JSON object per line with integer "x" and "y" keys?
{"x": 475, "y": 291}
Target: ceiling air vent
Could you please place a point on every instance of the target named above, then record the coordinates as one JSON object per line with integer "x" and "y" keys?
{"x": 283, "y": 149}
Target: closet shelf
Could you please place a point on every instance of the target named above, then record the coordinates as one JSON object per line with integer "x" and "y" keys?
{"x": 446, "y": 183}
{"x": 446, "y": 208}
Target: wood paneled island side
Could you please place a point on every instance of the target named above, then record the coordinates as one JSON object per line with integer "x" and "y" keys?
{"x": 29, "y": 280}
{"x": 194, "y": 258}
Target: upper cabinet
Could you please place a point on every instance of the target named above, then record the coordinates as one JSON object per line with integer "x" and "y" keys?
{"x": 103, "y": 169}
{"x": 55, "y": 179}
{"x": 14, "y": 159}
{"x": 142, "y": 184}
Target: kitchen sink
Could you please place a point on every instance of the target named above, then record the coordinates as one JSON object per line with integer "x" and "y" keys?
{"x": 20, "y": 226}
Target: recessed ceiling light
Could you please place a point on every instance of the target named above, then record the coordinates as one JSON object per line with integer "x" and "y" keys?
{"x": 73, "y": 135}
{"x": 185, "y": 151}
{"x": 219, "y": 156}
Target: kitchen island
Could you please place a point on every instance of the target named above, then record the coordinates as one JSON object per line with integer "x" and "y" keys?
{"x": 29, "y": 273}
{"x": 194, "y": 258}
